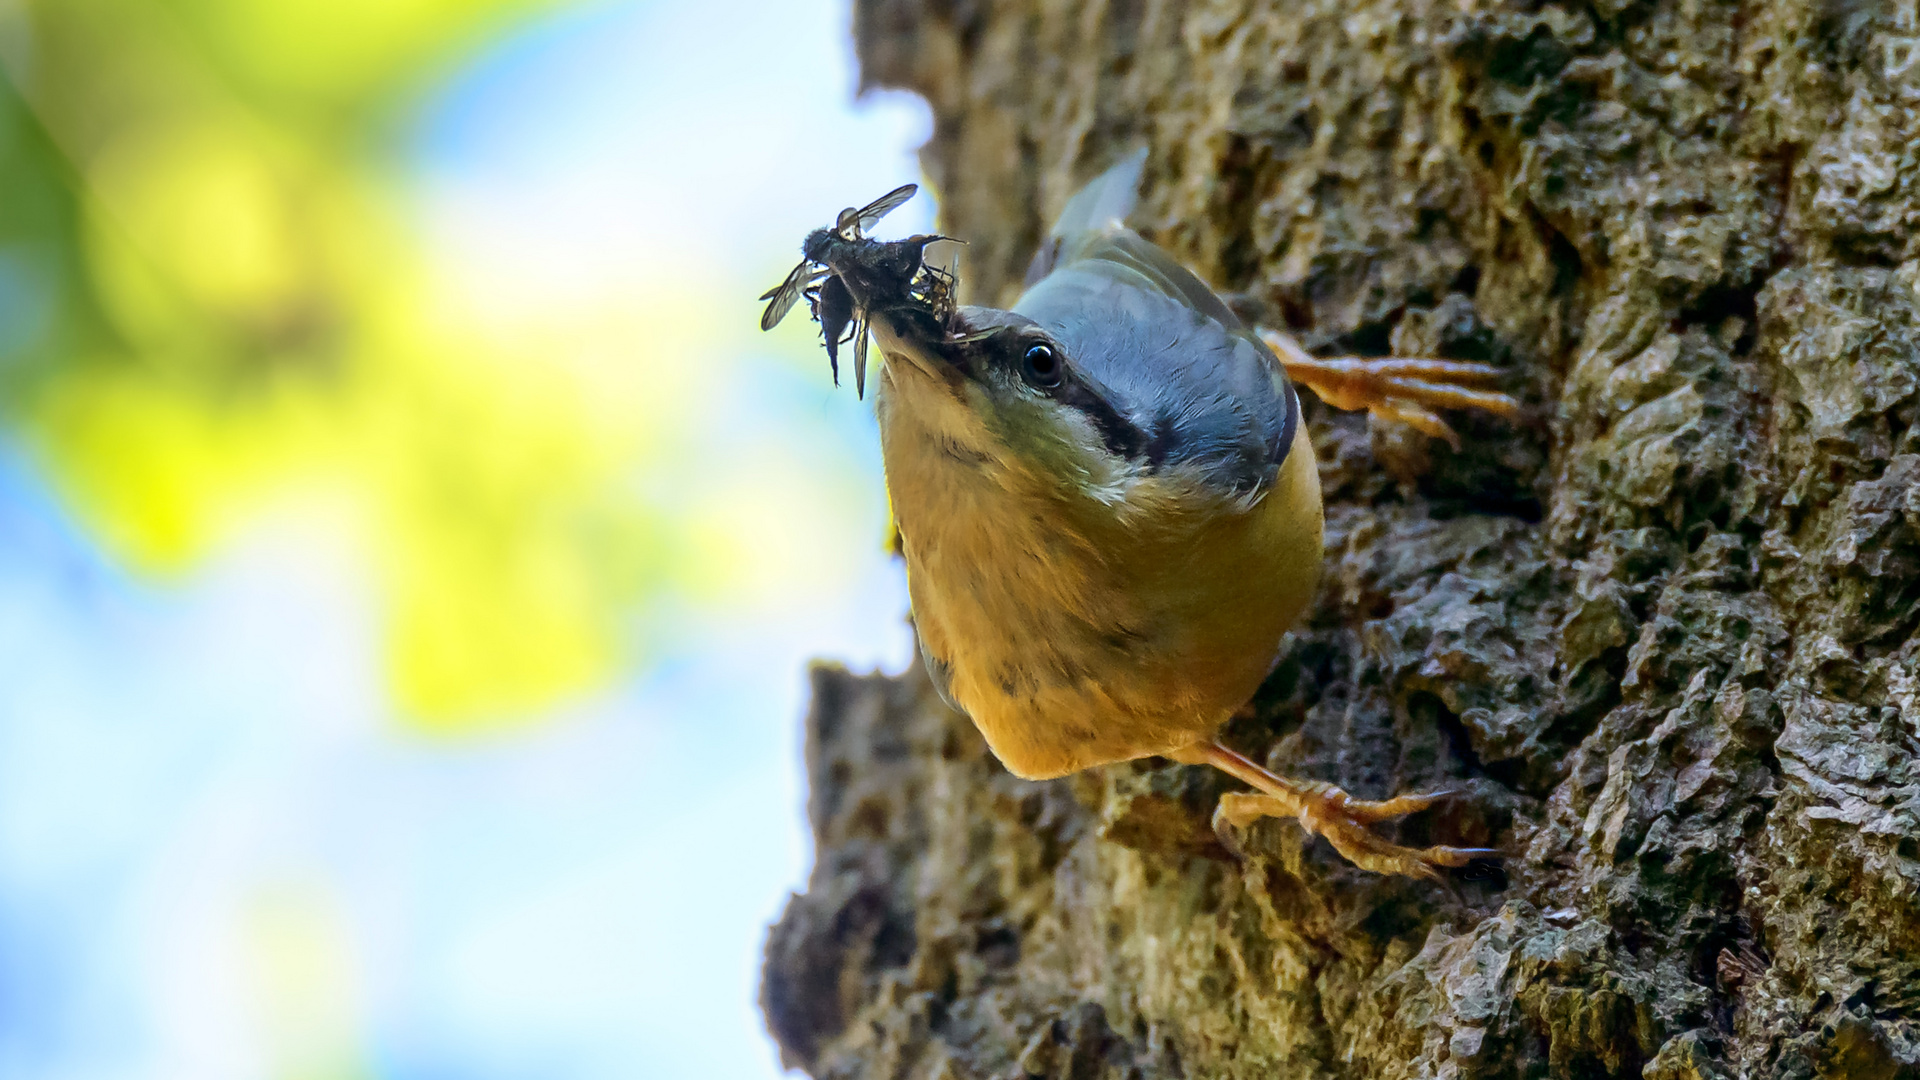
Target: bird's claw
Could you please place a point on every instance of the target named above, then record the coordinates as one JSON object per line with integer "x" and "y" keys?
{"x": 1404, "y": 389}
{"x": 1330, "y": 812}
{"x": 1228, "y": 832}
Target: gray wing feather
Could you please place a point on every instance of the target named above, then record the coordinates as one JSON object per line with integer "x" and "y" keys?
{"x": 1105, "y": 201}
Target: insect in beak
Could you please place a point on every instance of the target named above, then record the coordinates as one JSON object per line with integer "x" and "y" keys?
{"x": 849, "y": 279}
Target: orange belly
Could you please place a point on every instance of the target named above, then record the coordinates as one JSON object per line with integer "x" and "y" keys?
{"x": 1127, "y": 635}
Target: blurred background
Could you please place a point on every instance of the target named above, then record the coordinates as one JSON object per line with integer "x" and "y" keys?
{"x": 410, "y": 549}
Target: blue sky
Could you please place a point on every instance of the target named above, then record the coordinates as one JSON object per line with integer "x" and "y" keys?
{"x": 219, "y": 854}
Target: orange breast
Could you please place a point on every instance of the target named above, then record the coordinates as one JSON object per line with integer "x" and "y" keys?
{"x": 1075, "y": 640}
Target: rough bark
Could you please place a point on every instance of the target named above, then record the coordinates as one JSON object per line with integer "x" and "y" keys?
{"x": 1662, "y": 635}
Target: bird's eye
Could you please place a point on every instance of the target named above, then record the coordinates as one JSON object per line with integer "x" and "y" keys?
{"x": 1042, "y": 367}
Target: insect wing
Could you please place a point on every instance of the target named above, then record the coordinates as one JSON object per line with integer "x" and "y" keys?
{"x": 867, "y": 216}
{"x": 783, "y": 296}
{"x": 860, "y": 357}
{"x": 871, "y": 214}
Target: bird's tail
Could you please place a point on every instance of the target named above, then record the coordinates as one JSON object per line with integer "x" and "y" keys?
{"x": 1106, "y": 200}
{"x": 1101, "y": 206}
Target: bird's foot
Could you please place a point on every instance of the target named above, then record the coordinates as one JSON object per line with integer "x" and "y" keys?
{"x": 1405, "y": 389}
{"x": 1343, "y": 821}
{"x": 1330, "y": 812}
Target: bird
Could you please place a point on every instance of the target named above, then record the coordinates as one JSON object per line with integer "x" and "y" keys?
{"x": 1110, "y": 510}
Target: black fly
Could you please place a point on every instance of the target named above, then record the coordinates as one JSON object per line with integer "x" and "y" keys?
{"x": 852, "y": 224}
{"x": 884, "y": 274}
{"x": 833, "y": 309}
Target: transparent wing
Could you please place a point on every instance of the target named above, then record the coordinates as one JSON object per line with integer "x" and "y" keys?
{"x": 867, "y": 216}
{"x": 860, "y": 357}
{"x": 782, "y": 297}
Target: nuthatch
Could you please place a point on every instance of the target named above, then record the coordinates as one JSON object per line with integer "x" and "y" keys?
{"x": 1109, "y": 507}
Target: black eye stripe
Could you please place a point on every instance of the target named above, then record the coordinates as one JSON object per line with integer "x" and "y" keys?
{"x": 1123, "y": 438}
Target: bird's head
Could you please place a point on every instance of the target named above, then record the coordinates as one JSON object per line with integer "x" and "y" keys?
{"x": 1116, "y": 364}
{"x": 1007, "y": 392}
{"x": 1108, "y": 369}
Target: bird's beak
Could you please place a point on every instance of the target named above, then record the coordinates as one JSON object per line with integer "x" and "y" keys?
{"x": 906, "y": 303}
{"x": 909, "y": 308}
{"x": 946, "y": 348}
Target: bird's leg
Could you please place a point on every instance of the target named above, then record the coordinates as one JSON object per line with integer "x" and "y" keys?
{"x": 1327, "y": 810}
{"x": 1395, "y": 388}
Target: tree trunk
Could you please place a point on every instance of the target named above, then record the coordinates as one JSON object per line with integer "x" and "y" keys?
{"x": 1660, "y": 635}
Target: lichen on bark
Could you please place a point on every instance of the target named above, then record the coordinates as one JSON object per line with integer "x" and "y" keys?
{"x": 1661, "y": 634}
